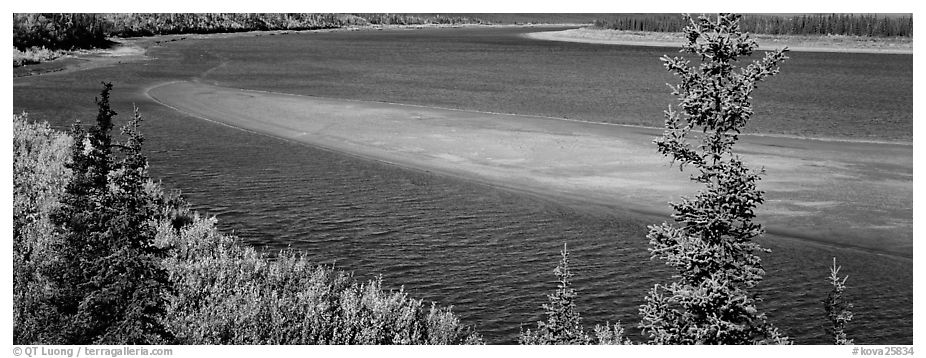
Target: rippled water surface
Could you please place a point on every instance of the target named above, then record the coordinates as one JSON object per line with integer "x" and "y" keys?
{"x": 488, "y": 252}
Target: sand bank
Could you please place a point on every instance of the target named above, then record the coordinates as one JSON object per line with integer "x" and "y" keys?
{"x": 848, "y": 44}
{"x": 852, "y": 194}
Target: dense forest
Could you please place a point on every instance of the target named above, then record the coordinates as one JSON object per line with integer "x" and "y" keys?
{"x": 870, "y": 25}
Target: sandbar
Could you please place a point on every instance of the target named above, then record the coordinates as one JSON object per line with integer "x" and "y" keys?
{"x": 845, "y": 44}
{"x": 835, "y": 192}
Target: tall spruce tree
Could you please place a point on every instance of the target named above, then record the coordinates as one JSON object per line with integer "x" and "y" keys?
{"x": 711, "y": 244}
{"x": 108, "y": 279}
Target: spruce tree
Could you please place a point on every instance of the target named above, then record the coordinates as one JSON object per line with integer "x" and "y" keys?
{"x": 838, "y": 309}
{"x": 563, "y": 324}
{"x": 711, "y": 245}
{"x": 108, "y": 279}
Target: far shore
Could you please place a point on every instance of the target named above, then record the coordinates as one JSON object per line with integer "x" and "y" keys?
{"x": 830, "y": 43}
{"x": 134, "y": 48}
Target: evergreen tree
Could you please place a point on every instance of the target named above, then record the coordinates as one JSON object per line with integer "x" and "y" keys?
{"x": 108, "y": 279}
{"x": 711, "y": 245}
{"x": 837, "y": 309}
{"x": 563, "y": 324}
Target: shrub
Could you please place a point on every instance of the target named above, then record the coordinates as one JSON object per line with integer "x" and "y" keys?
{"x": 611, "y": 335}
{"x": 34, "y": 55}
{"x": 40, "y": 157}
{"x": 711, "y": 247}
{"x": 226, "y": 293}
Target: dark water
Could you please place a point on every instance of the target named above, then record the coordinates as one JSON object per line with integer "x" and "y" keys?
{"x": 866, "y": 96}
{"x": 488, "y": 252}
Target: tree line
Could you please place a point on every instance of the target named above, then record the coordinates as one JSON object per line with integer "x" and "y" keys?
{"x": 869, "y": 25}
{"x": 84, "y": 30}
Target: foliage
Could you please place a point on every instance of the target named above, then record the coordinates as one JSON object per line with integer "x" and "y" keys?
{"x": 837, "y": 309}
{"x": 611, "y": 335}
{"x": 40, "y": 156}
{"x": 227, "y": 293}
{"x": 108, "y": 280}
{"x": 103, "y": 256}
{"x": 147, "y": 24}
{"x": 869, "y": 25}
{"x": 58, "y": 31}
{"x": 420, "y": 19}
{"x": 564, "y": 324}
{"x": 711, "y": 248}
{"x": 34, "y": 55}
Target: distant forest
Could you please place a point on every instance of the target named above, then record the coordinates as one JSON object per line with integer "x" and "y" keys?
{"x": 871, "y": 25}
{"x": 83, "y": 31}
{"x": 63, "y": 31}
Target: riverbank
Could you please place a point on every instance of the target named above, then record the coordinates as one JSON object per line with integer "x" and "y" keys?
{"x": 134, "y": 48}
{"x": 124, "y": 50}
{"x": 834, "y": 43}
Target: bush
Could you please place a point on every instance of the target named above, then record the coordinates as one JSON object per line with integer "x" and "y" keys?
{"x": 40, "y": 158}
{"x": 711, "y": 247}
{"x": 226, "y": 293}
{"x": 33, "y": 55}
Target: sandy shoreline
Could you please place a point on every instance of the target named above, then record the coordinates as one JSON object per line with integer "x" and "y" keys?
{"x": 123, "y": 51}
{"x": 816, "y": 190}
{"x": 766, "y": 42}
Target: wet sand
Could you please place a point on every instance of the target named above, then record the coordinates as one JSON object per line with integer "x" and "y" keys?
{"x": 845, "y": 193}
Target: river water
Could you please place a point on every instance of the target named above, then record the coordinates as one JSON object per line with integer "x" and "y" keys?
{"x": 488, "y": 252}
